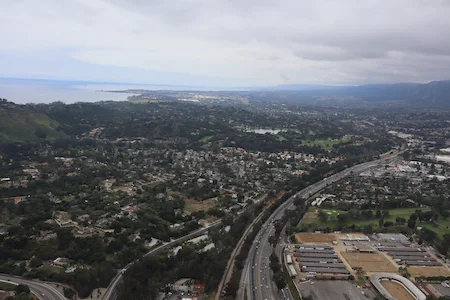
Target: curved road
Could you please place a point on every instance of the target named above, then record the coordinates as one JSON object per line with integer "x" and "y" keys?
{"x": 111, "y": 292}
{"x": 256, "y": 281}
{"x": 41, "y": 289}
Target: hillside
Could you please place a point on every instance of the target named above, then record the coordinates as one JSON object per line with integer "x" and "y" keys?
{"x": 22, "y": 124}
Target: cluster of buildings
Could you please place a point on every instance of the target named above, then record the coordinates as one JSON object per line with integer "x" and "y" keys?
{"x": 184, "y": 288}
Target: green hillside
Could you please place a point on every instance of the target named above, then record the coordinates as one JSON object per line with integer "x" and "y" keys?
{"x": 22, "y": 124}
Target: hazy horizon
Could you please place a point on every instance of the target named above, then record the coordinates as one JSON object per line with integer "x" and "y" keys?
{"x": 226, "y": 43}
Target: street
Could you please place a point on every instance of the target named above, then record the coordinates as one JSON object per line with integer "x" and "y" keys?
{"x": 42, "y": 290}
{"x": 257, "y": 281}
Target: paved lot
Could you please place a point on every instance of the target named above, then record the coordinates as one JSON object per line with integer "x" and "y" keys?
{"x": 334, "y": 290}
{"x": 445, "y": 291}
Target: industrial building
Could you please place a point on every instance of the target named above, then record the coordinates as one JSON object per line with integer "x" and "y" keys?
{"x": 323, "y": 265}
{"x": 292, "y": 271}
{"x": 410, "y": 256}
{"x": 399, "y": 249}
{"x": 315, "y": 259}
{"x": 319, "y": 260}
{"x": 316, "y": 246}
{"x": 392, "y": 237}
{"x": 325, "y": 271}
{"x": 288, "y": 259}
{"x": 315, "y": 251}
{"x": 318, "y": 255}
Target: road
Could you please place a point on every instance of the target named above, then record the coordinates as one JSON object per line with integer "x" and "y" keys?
{"x": 41, "y": 289}
{"x": 111, "y": 292}
{"x": 256, "y": 281}
{"x": 230, "y": 265}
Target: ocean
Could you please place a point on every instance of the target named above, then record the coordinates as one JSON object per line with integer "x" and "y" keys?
{"x": 22, "y": 91}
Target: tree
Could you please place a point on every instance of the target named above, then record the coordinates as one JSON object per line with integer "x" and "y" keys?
{"x": 400, "y": 220}
{"x": 388, "y": 224}
{"x": 69, "y": 293}
{"x": 412, "y": 223}
{"x": 404, "y": 272}
{"x": 22, "y": 288}
{"x": 368, "y": 229}
{"x": 322, "y": 216}
{"x": 378, "y": 214}
{"x": 35, "y": 262}
{"x": 342, "y": 217}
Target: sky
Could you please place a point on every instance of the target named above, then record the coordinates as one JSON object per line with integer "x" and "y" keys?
{"x": 226, "y": 42}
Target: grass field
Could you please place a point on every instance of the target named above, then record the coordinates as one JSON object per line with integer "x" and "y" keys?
{"x": 192, "y": 205}
{"x": 326, "y": 144}
{"x": 441, "y": 227}
{"x": 311, "y": 219}
{"x": 48, "y": 269}
{"x": 7, "y": 286}
{"x": 396, "y": 290}
{"x": 207, "y": 138}
{"x": 369, "y": 262}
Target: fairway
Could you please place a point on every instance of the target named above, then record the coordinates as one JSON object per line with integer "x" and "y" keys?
{"x": 312, "y": 221}
{"x": 326, "y": 144}
{"x": 207, "y": 138}
{"x": 441, "y": 227}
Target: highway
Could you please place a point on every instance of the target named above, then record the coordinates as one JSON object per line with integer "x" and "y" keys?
{"x": 111, "y": 291}
{"x": 230, "y": 265}
{"x": 256, "y": 281}
{"x": 41, "y": 289}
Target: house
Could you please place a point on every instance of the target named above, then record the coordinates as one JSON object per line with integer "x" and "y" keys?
{"x": 184, "y": 285}
{"x": 17, "y": 200}
{"x": 60, "y": 261}
{"x": 6, "y": 294}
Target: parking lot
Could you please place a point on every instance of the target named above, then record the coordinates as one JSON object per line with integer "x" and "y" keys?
{"x": 334, "y": 290}
{"x": 445, "y": 291}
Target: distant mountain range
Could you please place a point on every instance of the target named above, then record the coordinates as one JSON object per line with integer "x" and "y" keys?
{"x": 434, "y": 94}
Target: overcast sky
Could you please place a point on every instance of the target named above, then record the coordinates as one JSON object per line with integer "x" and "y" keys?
{"x": 226, "y": 42}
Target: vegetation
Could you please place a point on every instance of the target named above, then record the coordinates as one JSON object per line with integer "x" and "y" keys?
{"x": 7, "y": 286}
{"x": 24, "y": 124}
{"x": 326, "y": 144}
{"x": 125, "y": 174}
{"x": 334, "y": 219}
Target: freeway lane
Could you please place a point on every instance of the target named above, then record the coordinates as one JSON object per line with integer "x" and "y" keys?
{"x": 256, "y": 281}
{"x": 230, "y": 265}
{"x": 41, "y": 289}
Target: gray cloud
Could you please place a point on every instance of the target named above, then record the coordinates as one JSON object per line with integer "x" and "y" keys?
{"x": 323, "y": 41}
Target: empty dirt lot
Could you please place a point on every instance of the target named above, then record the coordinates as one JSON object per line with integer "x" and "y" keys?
{"x": 370, "y": 262}
{"x": 305, "y": 237}
{"x": 397, "y": 290}
{"x": 192, "y": 205}
{"x": 428, "y": 271}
